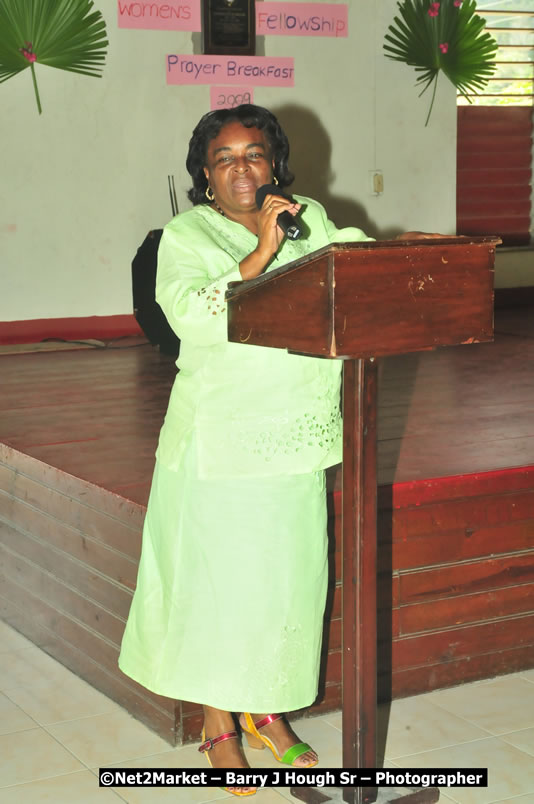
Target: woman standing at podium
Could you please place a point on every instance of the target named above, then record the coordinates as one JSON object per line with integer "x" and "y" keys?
{"x": 232, "y": 582}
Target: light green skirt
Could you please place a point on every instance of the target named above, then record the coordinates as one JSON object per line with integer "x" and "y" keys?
{"x": 231, "y": 590}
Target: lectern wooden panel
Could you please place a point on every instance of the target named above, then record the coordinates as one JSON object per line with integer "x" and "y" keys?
{"x": 370, "y": 299}
{"x": 360, "y": 301}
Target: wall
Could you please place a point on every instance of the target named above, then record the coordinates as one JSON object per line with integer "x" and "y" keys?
{"x": 84, "y": 181}
{"x": 514, "y": 268}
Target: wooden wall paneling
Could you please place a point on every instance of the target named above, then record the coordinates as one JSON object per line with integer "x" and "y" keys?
{"x": 46, "y": 620}
{"x": 463, "y": 578}
{"x": 26, "y": 466}
{"x": 97, "y": 587}
{"x": 62, "y": 596}
{"x": 95, "y": 654}
{"x": 99, "y": 649}
{"x": 413, "y": 495}
{"x": 328, "y": 700}
{"x": 453, "y": 562}
{"x": 387, "y": 613}
{"x": 7, "y": 478}
{"x": 464, "y": 609}
{"x": 74, "y": 543}
{"x": 158, "y": 714}
{"x": 64, "y": 583}
{"x": 333, "y": 668}
{"x": 463, "y": 642}
{"x": 462, "y": 544}
{"x": 470, "y": 513}
{"x": 402, "y": 548}
{"x": 461, "y": 487}
{"x": 426, "y": 678}
{"x": 191, "y": 725}
{"x": 89, "y": 520}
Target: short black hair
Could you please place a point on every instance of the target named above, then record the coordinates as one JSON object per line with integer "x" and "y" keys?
{"x": 209, "y": 127}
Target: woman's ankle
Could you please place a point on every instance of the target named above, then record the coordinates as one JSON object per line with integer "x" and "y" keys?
{"x": 218, "y": 721}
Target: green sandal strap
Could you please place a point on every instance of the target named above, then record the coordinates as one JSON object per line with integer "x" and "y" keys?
{"x": 295, "y": 752}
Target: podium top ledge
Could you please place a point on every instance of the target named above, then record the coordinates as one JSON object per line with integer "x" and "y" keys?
{"x": 235, "y": 288}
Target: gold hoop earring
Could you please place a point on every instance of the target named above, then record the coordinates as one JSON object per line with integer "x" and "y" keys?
{"x": 275, "y": 180}
{"x": 207, "y": 193}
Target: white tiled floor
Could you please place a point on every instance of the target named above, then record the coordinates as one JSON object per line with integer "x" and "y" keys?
{"x": 56, "y": 731}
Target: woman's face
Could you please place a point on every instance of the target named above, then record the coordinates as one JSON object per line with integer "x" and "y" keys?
{"x": 238, "y": 161}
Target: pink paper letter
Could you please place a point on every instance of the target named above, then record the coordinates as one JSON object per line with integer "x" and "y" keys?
{"x": 261, "y": 71}
{"x": 228, "y": 97}
{"x": 163, "y": 15}
{"x": 302, "y": 19}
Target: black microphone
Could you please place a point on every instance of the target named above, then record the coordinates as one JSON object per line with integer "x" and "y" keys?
{"x": 285, "y": 220}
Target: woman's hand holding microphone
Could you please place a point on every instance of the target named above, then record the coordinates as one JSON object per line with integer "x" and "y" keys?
{"x": 270, "y": 233}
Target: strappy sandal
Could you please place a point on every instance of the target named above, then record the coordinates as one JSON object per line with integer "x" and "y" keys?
{"x": 257, "y": 740}
{"x": 208, "y": 744}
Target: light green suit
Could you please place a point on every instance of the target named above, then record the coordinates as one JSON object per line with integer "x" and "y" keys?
{"x": 232, "y": 581}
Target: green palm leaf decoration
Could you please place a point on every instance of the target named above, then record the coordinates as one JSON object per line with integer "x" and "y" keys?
{"x": 60, "y": 33}
{"x": 446, "y": 36}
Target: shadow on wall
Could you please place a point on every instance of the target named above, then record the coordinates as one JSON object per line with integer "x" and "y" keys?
{"x": 310, "y": 161}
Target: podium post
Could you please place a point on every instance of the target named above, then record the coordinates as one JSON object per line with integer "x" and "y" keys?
{"x": 359, "y": 569}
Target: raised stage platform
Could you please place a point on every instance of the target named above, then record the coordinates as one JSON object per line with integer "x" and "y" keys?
{"x": 78, "y": 430}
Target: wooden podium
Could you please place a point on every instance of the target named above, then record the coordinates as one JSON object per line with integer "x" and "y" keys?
{"x": 358, "y": 302}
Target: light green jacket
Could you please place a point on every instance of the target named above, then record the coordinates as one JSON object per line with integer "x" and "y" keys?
{"x": 251, "y": 410}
